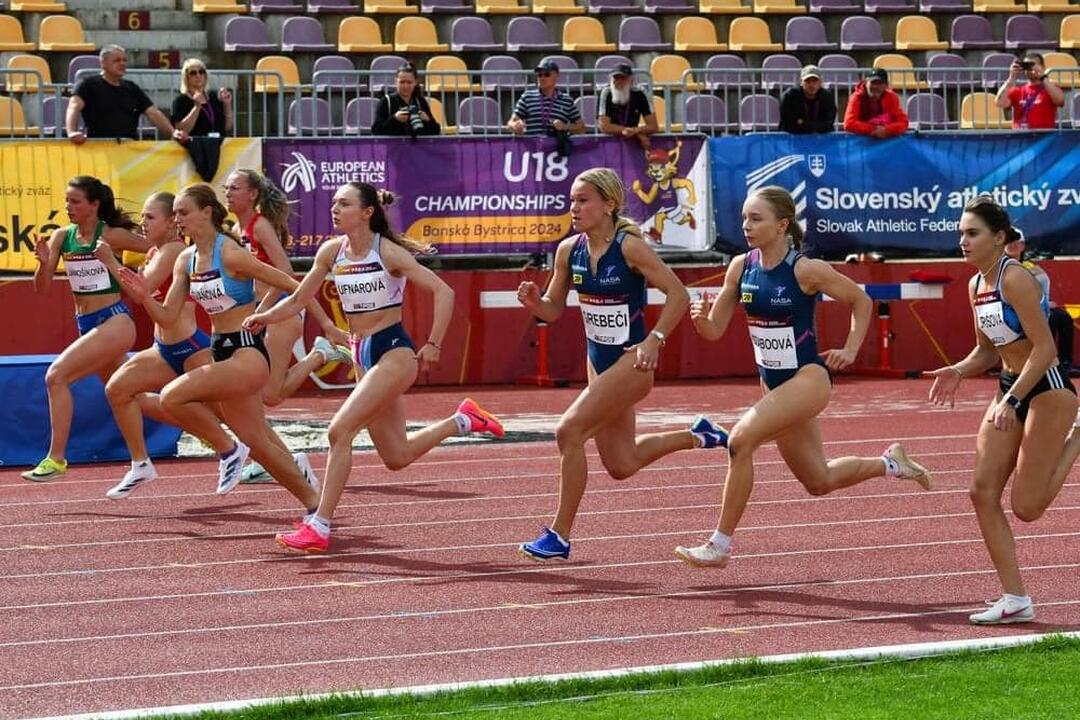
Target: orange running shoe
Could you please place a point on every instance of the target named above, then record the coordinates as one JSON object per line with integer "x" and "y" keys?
{"x": 306, "y": 539}
{"x": 480, "y": 420}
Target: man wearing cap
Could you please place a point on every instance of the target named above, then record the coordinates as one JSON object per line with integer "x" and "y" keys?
{"x": 622, "y": 107}
{"x": 545, "y": 109}
{"x": 808, "y": 108}
{"x": 874, "y": 109}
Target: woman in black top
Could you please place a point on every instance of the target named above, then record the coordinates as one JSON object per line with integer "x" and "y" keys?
{"x": 405, "y": 112}
{"x": 198, "y": 111}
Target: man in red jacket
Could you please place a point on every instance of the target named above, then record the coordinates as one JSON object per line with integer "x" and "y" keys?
{"x": 874, "y": 109}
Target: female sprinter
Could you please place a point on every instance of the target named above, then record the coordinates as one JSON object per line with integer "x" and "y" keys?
{"x": 1023, "y": 429}
{"x": 778, "y": 285}
{"x": 106, "y": 330}
{"x": 608, "y": 264}
{"x": 219, "y": 274}
{"x": 262, "y": 210}
{"x": 132, "y": 390}
{"x": 370, "y": 264}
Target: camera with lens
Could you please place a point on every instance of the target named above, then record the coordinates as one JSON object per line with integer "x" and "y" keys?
{"x": 1027, "y": 64}
{"x": 416, "y": 123}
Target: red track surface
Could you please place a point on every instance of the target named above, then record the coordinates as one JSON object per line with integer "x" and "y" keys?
{"x": 177, "y": 596}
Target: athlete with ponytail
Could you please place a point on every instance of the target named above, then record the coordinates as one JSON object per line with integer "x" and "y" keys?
{"x": 608, "y": 264}
{"x": 778, "y": 286}
{"x": 106, "y": 330}
{"x": 370, "y": 264}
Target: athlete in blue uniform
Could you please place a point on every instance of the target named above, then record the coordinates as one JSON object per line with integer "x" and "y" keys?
{"x": 106, "y": 330}
{"x": 608, "y": 264}
{"x": 219, "y": 275}
{"x": 370, "y": 264}
{"x": 778, "y": 286}
{"x": 1024, "y": 429}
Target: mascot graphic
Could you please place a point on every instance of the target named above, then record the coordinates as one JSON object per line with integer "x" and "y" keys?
{"x": 676, "y": 195}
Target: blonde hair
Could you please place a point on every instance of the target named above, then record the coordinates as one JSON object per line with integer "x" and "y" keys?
{"x": 610, "y": 188}
{"x": 783, "y": 206}
{"x": 188, "y": 64}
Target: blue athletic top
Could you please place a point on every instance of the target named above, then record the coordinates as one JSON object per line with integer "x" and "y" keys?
{"x": 997, "y": 319}
{"x": 612, "y": 301}
{"x": 780, "y": 317}
{"x": 214, "y": 288}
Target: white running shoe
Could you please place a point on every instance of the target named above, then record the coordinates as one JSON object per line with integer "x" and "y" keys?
{"x": 144, "y": 472}
{"x": 1004, "y": 611}
{"x": 255, "y": 474}
{"x": 703, "y": 556}
{"x": 909, "y": 469}
{"x": 231, "y": 469}
{"x": 331, "y": 352}
{"x": 304, "y": 464}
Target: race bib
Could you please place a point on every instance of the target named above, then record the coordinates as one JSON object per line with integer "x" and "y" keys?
{"x": 208, "y": 289}
{"x": 362, "y": 290}
{"x": 607, "y": 323}
{"x": 86, "y": 273}
{"x": 774, "y": 347}
{"x": 991, "y": 318}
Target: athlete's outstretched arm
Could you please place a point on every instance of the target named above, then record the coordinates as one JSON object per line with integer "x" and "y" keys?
{"x": 238, "y": 262}
{"x": 981, "y": 358}
{"x": 816, "y": 276}
{"x": 302, "y": 295}
{"x": 550, "y": 306}
{"x": 711, "y": 321}
{"x": 167, "y": 313}
{"x": 644, "y": 260}
{"x": 47, "y": 253}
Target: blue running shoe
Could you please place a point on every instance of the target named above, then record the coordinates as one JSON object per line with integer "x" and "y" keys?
{"x": 711, "y": 436}
{"x": 549, "y": 546}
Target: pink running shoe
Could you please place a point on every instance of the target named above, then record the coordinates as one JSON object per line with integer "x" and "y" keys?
{"x": 480, "y": 419}
{"x": 305, "y": 540}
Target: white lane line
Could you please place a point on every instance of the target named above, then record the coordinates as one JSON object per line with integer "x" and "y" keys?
{"x": 447, "y": 612}
{"x": 558, "y": 569}
{"x": 547, "y": 645}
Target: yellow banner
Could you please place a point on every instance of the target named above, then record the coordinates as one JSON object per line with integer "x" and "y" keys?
{"x": 34, "y": 175}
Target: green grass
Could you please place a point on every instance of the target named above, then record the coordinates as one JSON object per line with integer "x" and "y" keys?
{"x": 1041, "y": 680}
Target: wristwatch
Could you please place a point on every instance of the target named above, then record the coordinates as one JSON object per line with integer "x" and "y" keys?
{"x": 1011, "y": 400}
{"x": 659, "y": 336}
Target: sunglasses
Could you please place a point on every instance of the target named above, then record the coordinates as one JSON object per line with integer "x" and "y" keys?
{"x": 196, "y": 71}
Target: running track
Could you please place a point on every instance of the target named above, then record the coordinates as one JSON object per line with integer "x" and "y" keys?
{"x": 176, "y": 596}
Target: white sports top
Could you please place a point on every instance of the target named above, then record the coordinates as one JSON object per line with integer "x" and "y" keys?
{"x": 365, "y": 285}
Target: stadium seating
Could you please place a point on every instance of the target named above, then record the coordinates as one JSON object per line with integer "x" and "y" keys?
{"x": 479, "y": 115}
{"x": 759, "y": 113}
{"x": 778, "y": 7}
{"x": 570, "y": 75}
{"x": 973, "y": 32}
{"x": 248, "y": 34}
{"x": 669, "y": 71}
{"x": 37, "y": 6}
{"x": 439, "y": 115}
{"x": 270, "y": 83}
{"x": 946, "y": 69}
{"x": 218, "y": 6}
{"x": 862, "y": 33}
{"x": 901, "y": 72}
{"x": 706, "y": 113}
{"x": 335, "y": 71}
{"x": 1027, "y": 32}
{"x": 417, "y": 35}
{"x": 751, "y": 34}
{"x": 435, "y": 7}
{"x": 13, "y": 120}
{"x": 82, "y": 64}
{"x": 1070, "y": 33}
{"x": 918, "y": 32}
{"x": 11, "y": 36}
{"x": 557, "y": 7}
{"x": 944, "y": 6}
{"x": 585, "y": 34}
{"x": 383, "y": 72}
{"x": 722, "y": 73}
{"x": 389, "y": 7}
{"x": 806, "y": 33}
{"x": 669, "y": 7}
{"x": 838, "y": 70}
{"x": 448, "y": 73}
{"x": 37, "y": 75}
{"x": 779, "y": 72}
{"x": 1050, "y": 6}
{"x": 361, "y": 35}
{"x": 515, "y": 78}
{"x": 1065, "y": 62}
{"x": 928, "y": 111}
{"x": 473, "y": 34}
{"x": 641, "y": 34}
{"x": 697, "y": 34}
{"x": 500, "y": 7}
{"x": 874, "y": 7}
{"x": 586, "y": 106}
{"x": 62, "y": 33}
{"x": 360, "y": 115}
{"x": 276, "y": 6}
{"x": 846, "y": 7}
{"x": 529, "y": 34}
{"x": 979, "y": 111}
{"x": 304, "y": 34}
{"x": 309, "y": 116}
{"x": 723, "y": 7}
{"x": 604, "y": 65}
{"x": 997, "y": 6}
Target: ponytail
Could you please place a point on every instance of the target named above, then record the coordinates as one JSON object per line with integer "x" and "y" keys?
{"x": 108, "y": 211}
{"x": 272, "y": 203}
{"x": 370, "y": 197}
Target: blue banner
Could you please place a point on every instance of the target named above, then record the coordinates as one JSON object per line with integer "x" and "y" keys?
{"x": 904, "y": 194}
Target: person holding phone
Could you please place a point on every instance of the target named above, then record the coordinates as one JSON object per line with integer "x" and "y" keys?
{"x": 1034, "y": 104}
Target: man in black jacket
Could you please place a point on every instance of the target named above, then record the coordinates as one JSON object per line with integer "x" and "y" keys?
{"x": 808, "y": 108}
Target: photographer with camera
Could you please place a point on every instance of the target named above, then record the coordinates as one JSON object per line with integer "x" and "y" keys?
{"x": 405, "y": 112}
{"x": 1035, "y": 103}
{"x": 547, "y": 110}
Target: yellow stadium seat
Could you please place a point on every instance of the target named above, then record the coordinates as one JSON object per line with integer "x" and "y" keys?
{"x": 659, "y": 108}
{"x": 996, "y": 6}
{"x": 1068, "y": 72}
{"x": 417, "y": 34}
{"x": 28, "y": 82}
{"x": 439, "y": 115}
{"x": 389, "y": 7}
{"x": 13, "y": 120}
{"x": 218, "y": 6}
{"x": 751, "y": 35}
{"x": 778, "y": 7}
{"x": 499, "y": 7}
{"x": 724, "y": 7}
{"x": 697, "y": 34}
{"x": 901, "y": 72}
{"x": 284, "y": 66}
{"x": 361, "y": 35}
{"x": 979, "y": 111}
{"x": 918, "y": 32}
{"x": 557, "y": 7}
{"x": 585, "y": 35}
{"x": 63, "y": 33}
{"x": 37, "y": 6}
{"x": 11, "y": 36}
{"x": 1070, "y": 32}
{"x": 668, "y": 70}
{"x": 448, "y": 73}
{"x": 1050, "y": 6}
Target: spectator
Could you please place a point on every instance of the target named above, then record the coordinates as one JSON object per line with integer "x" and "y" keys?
{"x": 622, "y": 107}
{"x": 1061, "y": 324}
{"x": 111, "y": 105}
{"x": 545, "y": 109}
{"x": 198, "y": 111}
{"x": 405, "y": 112}
{"x": 808, "y": 108}
{"x": 874, "y": 109}
{"x": 1035, "y": 103}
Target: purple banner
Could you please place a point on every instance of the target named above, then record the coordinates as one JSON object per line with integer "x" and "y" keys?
{"x": 493, "y": 195}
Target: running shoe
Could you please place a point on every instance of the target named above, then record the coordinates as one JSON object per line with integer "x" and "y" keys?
{"x": 302, "y": 462}
{"x": 255, "y": 474}
{"x": 549, "y": 546}
{"x": 304, "y": 539}
{"x": 46, "y": 470}
{"x": 712, "y": 436}
{"x": 231, "y": 468}
{"x": 331, "y": 352}
{"x": 138, "y": 474}
{"x": 480, "y": 420}
{"x": 1004, "y": 611}
{"x": 909, "y": 469}
{"x": 703, "y": 556}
